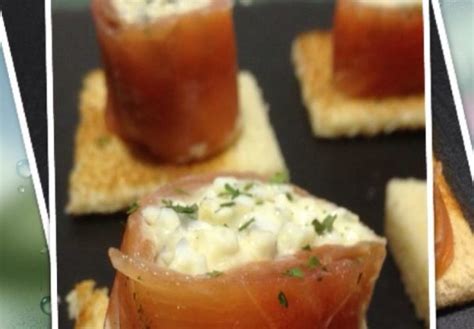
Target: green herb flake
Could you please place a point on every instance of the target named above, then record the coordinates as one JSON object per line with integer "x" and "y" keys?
{"x": 306, "y": 248}
{"x": 295, "y": 272}
{"x": 187, "y": 210}
{"x": 246, "y": 225}
{"x": 313, "y": 262}
{"x": 259, "y": 202}
{"x": 102, "y": 141}
{"x": 289, "y": 196}
{"x": 232, "y": 192}
{"x": 181, "y": 191}
{"x": 132, "y": 208}
{"x": 280, "y": 178}
{"x": 248, "y": 186}
{"x": 325, "y": 226}
{"x": 227, "y": 204}
{"x": 214, "y": 274}
{"x": 282, "y": 299}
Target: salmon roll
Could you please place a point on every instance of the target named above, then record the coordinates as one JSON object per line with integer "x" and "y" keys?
{"x": 378, "y": 47}
{"x": 444, "y": 240}
{"x": 239, "y": 251}
{"x": 171, "y": 74}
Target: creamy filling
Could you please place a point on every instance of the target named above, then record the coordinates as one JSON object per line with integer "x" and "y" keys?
{"x": 142, "y": 11}
{"x": 392, "y": 3}
{"x": 232, "y": 222}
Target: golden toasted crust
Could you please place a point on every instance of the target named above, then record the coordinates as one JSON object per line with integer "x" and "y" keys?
{"x": 87, "y": 305}
{"x": 456, "y": 286}
{"x": 406, "y": 231}
{"x": 107, "y": 178}
{"x": 333, "y": 114}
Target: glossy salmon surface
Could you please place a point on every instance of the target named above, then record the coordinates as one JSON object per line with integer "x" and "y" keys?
{"x": 333, "y": 292}
{"x": 172, "y": 83}
{"x": 378, "y": 50}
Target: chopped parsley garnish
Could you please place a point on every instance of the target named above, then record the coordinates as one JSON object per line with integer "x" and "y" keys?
{"x": 214, "y": 274}
{"x": 295, "y": 272}
{"x": 103, "y": 141}
{"x": 246, "y": 225}
{"x": 280, "y": 178}
{"x": 325, "y": 226}
{"x": 232, "y": 192}
{"x": 248, "y": 186}
{"x": 181, "y": 191}
{"x": 289, "y": 196}
{"x": 227, "y": 204}
{"x": 282, "y": 299}
{"x": 306, "y": 248}
{"x": 132, "y": 208}
{"x": 187, "y": 210}
{"x": 313, "y": 262}
{"x": 259, "y": 202}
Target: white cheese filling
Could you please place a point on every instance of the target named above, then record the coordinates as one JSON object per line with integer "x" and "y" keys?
{"x": 232, "y": 222}
{"x": 142, "y": 11}
{"x": 392, "y": 3}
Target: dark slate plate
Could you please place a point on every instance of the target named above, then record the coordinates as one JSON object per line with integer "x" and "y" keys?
{"x": 448, "y": 147}
{"x": 352, "y": 173}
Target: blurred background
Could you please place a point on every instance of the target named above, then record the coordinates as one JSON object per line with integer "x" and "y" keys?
{"x": 459, "y": 20}
{"x": 24, "y": 262}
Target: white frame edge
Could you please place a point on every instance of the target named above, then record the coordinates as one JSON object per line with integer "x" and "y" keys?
{"x": 51, "y": 165}
{"x": 40, "y": 201}
{"x": 454, "y": 86}
{"x": 429, "y": 166}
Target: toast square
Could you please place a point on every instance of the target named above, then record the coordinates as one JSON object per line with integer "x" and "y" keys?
{"x": 406, "y": 231}
{"x": 106, "y": 178}
{"x": 87, "y": 305}
{"x": 456, "y": 285}
{"x": 333, "y": 114}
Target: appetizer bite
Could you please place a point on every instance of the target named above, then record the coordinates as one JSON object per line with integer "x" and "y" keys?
{"x": 454, "y": 243}
{"x": 107, "y": 178}
{"x": 236, "y": 251}
{"x": 366, "y": 76}
{"x": 171, "y": 74}
{"x": 169, "y": 93}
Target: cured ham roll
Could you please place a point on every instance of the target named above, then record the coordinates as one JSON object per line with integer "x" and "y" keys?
{"x": 237, "y": 251}
{"x": 378, "y": 47}
{"x": 444, "y": 240}
{"x": 171, "y": 75}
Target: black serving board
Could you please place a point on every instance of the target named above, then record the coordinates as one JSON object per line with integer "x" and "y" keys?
{"x": 352, "y": 173}
{"x": 449, "y": 148}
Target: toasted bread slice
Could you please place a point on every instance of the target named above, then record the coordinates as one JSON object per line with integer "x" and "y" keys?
{"x": 406, "y": 231}
{"x": 456, "y": 285}
{"x": 106, "y": 178}
{"x": 88, "y": 305}
{"x": 333, "y": 114}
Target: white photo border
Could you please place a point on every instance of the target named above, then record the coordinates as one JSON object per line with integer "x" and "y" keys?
{"x": 51, "y": 165}
{"x": 454, "y": 86}
{"x": 40, "y": 200}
